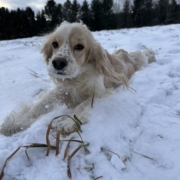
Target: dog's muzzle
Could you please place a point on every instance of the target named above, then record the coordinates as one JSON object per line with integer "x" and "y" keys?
{"x": 59, "y": 63}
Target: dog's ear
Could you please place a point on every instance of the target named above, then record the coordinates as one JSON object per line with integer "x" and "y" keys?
{"x": 104, "y": 63}
{"x": 47, "y": 51}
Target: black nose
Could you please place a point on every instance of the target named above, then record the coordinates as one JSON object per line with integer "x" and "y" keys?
{"x": 59, "y": 63}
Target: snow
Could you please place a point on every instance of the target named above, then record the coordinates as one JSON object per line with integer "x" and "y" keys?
{"x": 132, "y": 133}
{"x": 117, "y": 163}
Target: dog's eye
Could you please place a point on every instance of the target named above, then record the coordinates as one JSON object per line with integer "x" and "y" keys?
{"x": 79, "y": 47}
{"x": 55, "y": 44}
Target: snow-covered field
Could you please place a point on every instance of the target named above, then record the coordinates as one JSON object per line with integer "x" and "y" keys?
{"x": 141, "y": 127}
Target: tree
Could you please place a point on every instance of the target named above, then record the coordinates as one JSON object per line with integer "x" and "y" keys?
{"x": 107, "y": 13}
{"x": 85, "y": 13}
{"x": 19, "y": 24}
{"x": 53, "y": 13}
{"x": 162, "y": 9}
{"x": 67, "y": 10}
{"x": 50, "y": 9}
{"x": 30, "y": 24}
{"x": 5, "y": 23}
{"x": 96, "y": 15}
{"x": 41, "y": 23}
{"x": 126, "y": 15}
{"x": 137, "y": 15}
{"x": 143, "y": 13}
{"x": 173, "y": 13}
{"x": 147, "y": 13}
{"x": 75, "y": 10}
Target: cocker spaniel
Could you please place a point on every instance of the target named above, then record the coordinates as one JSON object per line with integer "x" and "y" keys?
{"x": 81, "y": 69}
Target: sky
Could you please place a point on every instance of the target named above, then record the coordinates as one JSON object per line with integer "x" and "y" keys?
{"x": 35, "y": 5}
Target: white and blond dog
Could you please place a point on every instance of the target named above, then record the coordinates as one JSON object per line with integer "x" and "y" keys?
{"x": 79, "y": 67}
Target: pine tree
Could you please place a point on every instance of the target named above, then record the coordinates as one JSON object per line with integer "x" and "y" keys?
{"x": 107, "y": 13}
{"x": 173, "y": 12}
{"x": 85, "y": 13}
{"x": 5, "y": 23}
{"x": 41, "y": 23}
{"x": 143, "y": 13}
{"x": 19, "y": 24}
{"x": 67, "y": 10}
{"x": 30, "y": 24}
{"x": 137, "y": 15}
{"x": 147, "y": 13}
{"x": 50, "y": 8}
{"x": 126, "y": 16}
{"x": 96, "y": 15}
{"x": 162, "y": 9}
{"x": 15, "y": 24}
{"x": 178, "y": 14}
{"x": 75, "y": 11}
{"x": 58, "y": 14}
{"x": 53, "y": 13}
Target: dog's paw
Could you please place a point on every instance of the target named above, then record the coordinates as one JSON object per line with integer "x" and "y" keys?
{"x": 9, "y": 126}
{"x": 66, "y": 126}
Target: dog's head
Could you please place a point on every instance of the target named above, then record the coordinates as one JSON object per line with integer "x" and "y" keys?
{"x": 66, "y": 50}
{"x": 70, "y": 47}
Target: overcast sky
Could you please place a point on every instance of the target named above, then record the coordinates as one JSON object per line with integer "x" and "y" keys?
{"x": 34, "y": 4}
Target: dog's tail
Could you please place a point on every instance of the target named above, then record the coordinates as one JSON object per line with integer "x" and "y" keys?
{"x": 150, "y": 55}
{"x": 142, "y": 58}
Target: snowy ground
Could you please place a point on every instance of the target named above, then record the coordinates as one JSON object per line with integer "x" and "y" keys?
{"x": 141, "y": 126}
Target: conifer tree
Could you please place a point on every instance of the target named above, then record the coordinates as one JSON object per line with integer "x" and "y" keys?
{"x": 85, "y": 13}
{"x": 67, "y": 10}
{"x": 30, "y": 24}
{"x": 53, "y": 13}
{"x": 41, "y": 23}
{"x": 50, "y": 8}
{"x": 4, "y": 21}
{"x": 107, "y": 13}
{"x": 163, "y": 11}
{"x": 96, "y": 15}
{"x": 137, "y": 15}
{"x": 75, "y": 11}
{"x": 126, "y": 16}
{"x": 173, "y": 12}
{"x": 147, "y": 13}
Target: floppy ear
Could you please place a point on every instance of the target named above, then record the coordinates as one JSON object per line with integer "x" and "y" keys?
{"x": 104, "y": 63}
{"x": 47, "y": 51}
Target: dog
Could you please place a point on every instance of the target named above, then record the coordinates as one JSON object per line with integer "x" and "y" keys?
{"x": 81, "y": 69}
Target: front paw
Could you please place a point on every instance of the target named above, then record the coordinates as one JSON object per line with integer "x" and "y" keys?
{"x": 66, "y": 126}
{"x": 10, "y": 126}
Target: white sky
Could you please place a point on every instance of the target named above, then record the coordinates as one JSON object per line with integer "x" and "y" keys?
{"x": 35, "y": 5}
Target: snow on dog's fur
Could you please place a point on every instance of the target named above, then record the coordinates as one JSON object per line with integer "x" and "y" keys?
{"x": 79, "y": 67}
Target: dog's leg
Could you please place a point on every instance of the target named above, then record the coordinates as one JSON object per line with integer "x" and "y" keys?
{"x": 67, "y": 125}
{"x": 19, "y": 121}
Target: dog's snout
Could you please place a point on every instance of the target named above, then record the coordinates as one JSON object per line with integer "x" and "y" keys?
{"x": 59, "y": 63}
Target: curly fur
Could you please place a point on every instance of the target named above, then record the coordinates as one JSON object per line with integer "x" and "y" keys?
{"x": 91, "y": 70}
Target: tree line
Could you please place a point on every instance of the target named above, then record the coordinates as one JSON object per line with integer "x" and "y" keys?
{"x": 98, "y": 15}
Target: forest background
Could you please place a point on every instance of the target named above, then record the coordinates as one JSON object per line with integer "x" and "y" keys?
{"x": 98, "y": 15}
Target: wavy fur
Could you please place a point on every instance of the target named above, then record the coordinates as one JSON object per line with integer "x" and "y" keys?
{"x": 91, "y": 70}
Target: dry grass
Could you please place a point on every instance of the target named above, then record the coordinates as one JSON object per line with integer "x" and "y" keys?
{"x": 34, "y": 145}
{"x": 92, "y": 102}
{"x": 81, "y": 144}
{"x": 98, "y": 177}
{"x": 145, "y": 156}
{"x": 33, "y": 73}
{"x": 102, "y": 149}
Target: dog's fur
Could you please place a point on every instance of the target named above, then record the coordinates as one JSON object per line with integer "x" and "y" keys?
{"x": 87, "y": 69}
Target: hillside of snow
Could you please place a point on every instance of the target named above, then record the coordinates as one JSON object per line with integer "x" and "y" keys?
{"x": 132, "y": 134}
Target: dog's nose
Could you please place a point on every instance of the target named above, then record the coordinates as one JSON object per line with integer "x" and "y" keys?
{"x": 59, "y": 63}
